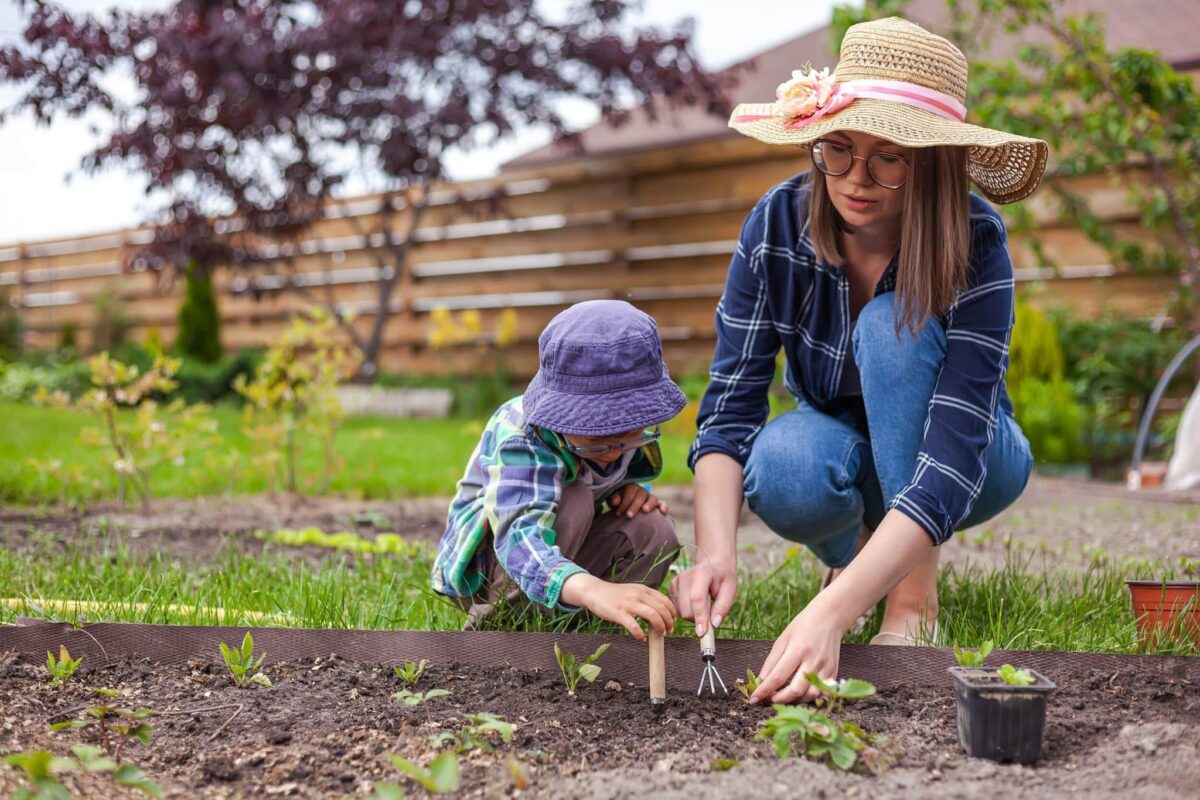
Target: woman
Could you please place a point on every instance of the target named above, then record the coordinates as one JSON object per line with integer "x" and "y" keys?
{"x": 889, "y": 288}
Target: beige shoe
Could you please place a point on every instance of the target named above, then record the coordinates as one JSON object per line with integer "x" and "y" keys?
{"x": 891, "y": 638}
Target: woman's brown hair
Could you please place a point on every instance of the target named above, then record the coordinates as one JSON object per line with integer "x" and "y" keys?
{"x": 935, "y": 233}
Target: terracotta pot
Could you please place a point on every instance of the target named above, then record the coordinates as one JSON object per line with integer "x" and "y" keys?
{"x": 1170, "y": 608}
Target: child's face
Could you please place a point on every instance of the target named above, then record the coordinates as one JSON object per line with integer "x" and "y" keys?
{"x": 619, "y": 444}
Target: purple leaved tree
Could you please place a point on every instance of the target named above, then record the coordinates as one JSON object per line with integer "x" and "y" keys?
{"x": 248, "y": 115}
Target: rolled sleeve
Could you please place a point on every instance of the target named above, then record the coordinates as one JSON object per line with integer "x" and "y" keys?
{"x": 951, "y": 466}
{"x": 736, "y": 405}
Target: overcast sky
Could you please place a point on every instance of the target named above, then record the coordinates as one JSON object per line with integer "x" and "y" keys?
{"x": 38, "y": 202}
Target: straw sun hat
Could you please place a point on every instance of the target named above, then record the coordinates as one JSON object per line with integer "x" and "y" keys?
{"x": 897, "y": 81}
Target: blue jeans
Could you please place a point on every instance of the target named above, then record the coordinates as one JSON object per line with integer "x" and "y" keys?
{"x": 813, "y": 478}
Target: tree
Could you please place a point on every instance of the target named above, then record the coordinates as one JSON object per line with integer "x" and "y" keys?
{"x": 199, "y": 323}
{"x": 1104, "y": 111}
{"x": 256, "y": 111}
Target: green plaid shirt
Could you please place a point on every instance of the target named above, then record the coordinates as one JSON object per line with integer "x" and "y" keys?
{"x": 509, "y": 496}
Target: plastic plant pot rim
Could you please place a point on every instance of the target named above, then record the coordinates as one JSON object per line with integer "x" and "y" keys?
{"x": 1164, "y": 584}
{"x": 962, "y": 676}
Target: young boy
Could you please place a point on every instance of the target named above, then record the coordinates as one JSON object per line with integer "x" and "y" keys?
{"x": 529, "y": 515}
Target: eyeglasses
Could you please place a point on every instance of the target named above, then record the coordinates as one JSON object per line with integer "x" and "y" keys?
{"x": 887, "y": 169}
{"x": 594, "y": 450}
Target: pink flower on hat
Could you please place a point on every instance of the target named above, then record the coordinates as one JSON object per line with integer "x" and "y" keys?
{"x": 807, "y": 91}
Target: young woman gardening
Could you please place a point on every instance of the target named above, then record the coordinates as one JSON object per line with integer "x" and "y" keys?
{"x": 889, "y": 288}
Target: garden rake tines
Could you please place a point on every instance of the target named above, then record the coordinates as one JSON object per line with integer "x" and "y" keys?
{"x": 708, "y": 654}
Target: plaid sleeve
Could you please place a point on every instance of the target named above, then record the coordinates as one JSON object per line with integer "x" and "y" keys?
{"x": 736, "y": 405}
{"x": 524, "y": 484}
{"x": 951, "y": 466}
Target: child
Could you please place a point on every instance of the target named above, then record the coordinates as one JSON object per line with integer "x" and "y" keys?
{"x": 529, "y": 515}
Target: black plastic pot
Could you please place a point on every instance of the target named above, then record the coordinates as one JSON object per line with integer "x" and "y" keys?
{"x": 998, "y": 721}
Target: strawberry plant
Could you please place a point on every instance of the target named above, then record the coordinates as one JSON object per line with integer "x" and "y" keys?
{"x": 573, "y": 671}
{"x": 747, "y": 687}
{"x": 62, "y": 668}
{"x": 442, "y": 775}
{"x": 410, "y": 672}
{"x": 116, "y": 724}
{"x": 418, "y": 698}
{"x": 1016, "y": 677}
{"x": 241, "y": 664}
{"x": 475, "y": 736}
{"x": 972, "y": 658}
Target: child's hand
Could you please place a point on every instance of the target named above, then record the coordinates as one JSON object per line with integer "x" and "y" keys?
{"x": 622, "y": 603}
{"x": 629, "y": 500}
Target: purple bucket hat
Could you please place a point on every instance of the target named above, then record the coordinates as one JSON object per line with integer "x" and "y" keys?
{"x": 601, "y": 373}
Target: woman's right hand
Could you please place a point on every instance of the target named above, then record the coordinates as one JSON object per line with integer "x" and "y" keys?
{"x": 694, "y": 588}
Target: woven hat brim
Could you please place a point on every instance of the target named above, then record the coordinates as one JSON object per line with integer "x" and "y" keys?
{"x": 1006, "y": 167}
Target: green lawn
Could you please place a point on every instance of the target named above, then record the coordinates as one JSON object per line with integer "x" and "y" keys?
{"x": 1016, "y": 607}
{"x": 384, "y": 458}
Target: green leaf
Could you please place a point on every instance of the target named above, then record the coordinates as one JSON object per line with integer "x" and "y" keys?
{"x": 388, "y": 791}
{"x": 853, "y": 689}
{"x": 414, "y": 771}
{"x": 444, "y": 773}
{"x": 723, "y": 764}
{"x": 599, "y": 652}
{"x": 93, "y": 759}
{"x": 133, "y": 777}
{"x": 70, "y": 724}
{"x": 589, "y": 672}
{"x": 1016, "y": 677}
{"x": 842, "y": 755}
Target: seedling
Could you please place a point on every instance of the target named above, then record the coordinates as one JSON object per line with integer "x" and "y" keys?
{"x": 242, "y": 666}
{"x": 475, "y": 737}
{"x": 723, "y": 764}
{"x": 749, "y": 686}
{"x": 62, "y": 668}
{"x": 418, "y": 698}
{"x": 1016, "y": 677}
{"x": 40, "y": 768}
{"x": 116, "y": 725}
{"x": 837, "y": 692}
{"x": 572, "y": 671}
{"x": 440, "y": 776}
{"x": 410, "y": 673}
{"x": 972, "y": 658}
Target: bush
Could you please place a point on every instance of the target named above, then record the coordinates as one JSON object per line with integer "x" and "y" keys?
{"x": 199, "y": 323}
{"x": 210, "y": 383}
{"x": 10, "y": 327}
{"x": 1051, "y": 418}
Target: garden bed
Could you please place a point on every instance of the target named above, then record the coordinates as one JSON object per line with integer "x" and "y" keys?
{"x": 323, "y": 727}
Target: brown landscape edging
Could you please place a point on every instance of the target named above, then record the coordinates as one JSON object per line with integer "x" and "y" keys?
{"x": 626, "y": 660}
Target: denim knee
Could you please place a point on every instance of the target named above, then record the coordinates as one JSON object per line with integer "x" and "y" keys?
{"x": 880, "y": 349}
{"x": 801, "y": 483}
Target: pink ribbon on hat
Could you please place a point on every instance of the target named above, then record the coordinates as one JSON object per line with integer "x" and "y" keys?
{"x": 843, "y": 94}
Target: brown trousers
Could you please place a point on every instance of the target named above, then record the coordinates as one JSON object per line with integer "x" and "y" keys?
{"x": 609, "y": 546}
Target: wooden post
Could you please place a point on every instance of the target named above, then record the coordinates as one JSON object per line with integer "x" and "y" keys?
{"x": 658, "y": 671}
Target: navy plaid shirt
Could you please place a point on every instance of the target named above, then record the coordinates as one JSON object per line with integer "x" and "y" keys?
{"x": 778, "y": 295}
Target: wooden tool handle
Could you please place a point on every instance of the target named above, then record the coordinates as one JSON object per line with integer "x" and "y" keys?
{"x": 658, "y": 668}
{"x": 709, "y": 640}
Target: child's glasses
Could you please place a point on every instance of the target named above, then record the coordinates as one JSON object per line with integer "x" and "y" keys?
{"x": 595, "y": 450}
{"x": 887, "y": 169}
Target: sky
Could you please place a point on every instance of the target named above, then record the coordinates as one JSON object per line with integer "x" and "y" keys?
{"x": 43, "y": 195}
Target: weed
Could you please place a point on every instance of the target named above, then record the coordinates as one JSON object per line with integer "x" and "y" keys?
{"x": 418, "y": 698}
{"x": 116, "y": 724}
{"x": 440, "y": 776}
{"x": 573, "y": 671}
{"x": 1016, "y": 677}
{"x": 62, "y": 668}
{"x": 242, "y": 666}
{"x": 411, "y": 672}
{"x": 749, "y": 686}
{"x": 969, "y": 658}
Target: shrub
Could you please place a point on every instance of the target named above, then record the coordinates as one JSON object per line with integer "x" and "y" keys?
{"x": 110, "y": 324}
{"x": 10, "y": 327}
{"x": 199, "y": 323}
{"x": 1051, "y": 418}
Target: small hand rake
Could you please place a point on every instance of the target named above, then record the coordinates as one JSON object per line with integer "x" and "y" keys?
{"x": 708, "y": 654}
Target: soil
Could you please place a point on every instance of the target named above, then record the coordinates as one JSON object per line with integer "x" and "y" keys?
{"x": 323, "y": 727}
{"x": 1064, "y": 522}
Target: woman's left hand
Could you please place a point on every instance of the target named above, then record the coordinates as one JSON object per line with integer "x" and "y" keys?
{"x": 810, "y": 643}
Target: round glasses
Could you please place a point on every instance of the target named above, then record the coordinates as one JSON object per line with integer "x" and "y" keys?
{"x": 594, "y": 450}
{"x": 887, "y": 169}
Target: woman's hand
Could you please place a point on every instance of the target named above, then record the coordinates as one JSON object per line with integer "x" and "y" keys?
{"x": 693, "y": 588}
{"x": 622, "y": 603}
{"x": 629, "y": 500}
{"x": 810, "y": 643}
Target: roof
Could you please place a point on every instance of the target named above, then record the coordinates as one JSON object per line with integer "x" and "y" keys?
{"x": 1170, "y": 29}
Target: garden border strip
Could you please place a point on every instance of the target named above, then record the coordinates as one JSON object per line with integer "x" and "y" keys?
{"x": 625, "y": 661}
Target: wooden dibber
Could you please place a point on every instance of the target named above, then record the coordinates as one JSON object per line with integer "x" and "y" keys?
{"x": 658, "y": 671}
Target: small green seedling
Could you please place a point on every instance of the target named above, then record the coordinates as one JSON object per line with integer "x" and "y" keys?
{"x": 837, "y": 692}
{"x": 1016, "y": 677}
{"x": 40, "y": 768}
{"x": 242, "y": 666}
{"x": 440, "y": 776}
{"x": 572, "y": 671}
{"x": 723, "y": 764}
{"x": 62, "y": 668}
{"x": 418, "y": 698}
{"x": 117, "y": 725}
{"x": 475, "y": 736}
{"x": 969, "y": 658}
{"x": 411, "y": 672}
{"x": 749, "y": 686}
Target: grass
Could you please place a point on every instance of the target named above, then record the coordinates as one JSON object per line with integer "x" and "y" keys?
{"x": 1017, "y": 606}
{"x": 384, "y": 458}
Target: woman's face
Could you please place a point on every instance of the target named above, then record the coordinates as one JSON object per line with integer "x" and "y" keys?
{"x": 861, "y": 201}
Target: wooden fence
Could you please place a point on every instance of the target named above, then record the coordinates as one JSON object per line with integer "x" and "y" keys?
{"x": 655, "y": 227}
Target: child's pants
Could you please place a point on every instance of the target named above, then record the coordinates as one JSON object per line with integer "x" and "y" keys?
{"x": 609, "y": 546}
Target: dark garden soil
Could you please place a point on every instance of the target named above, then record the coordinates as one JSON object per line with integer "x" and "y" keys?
{"x": 323, "y": 728}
